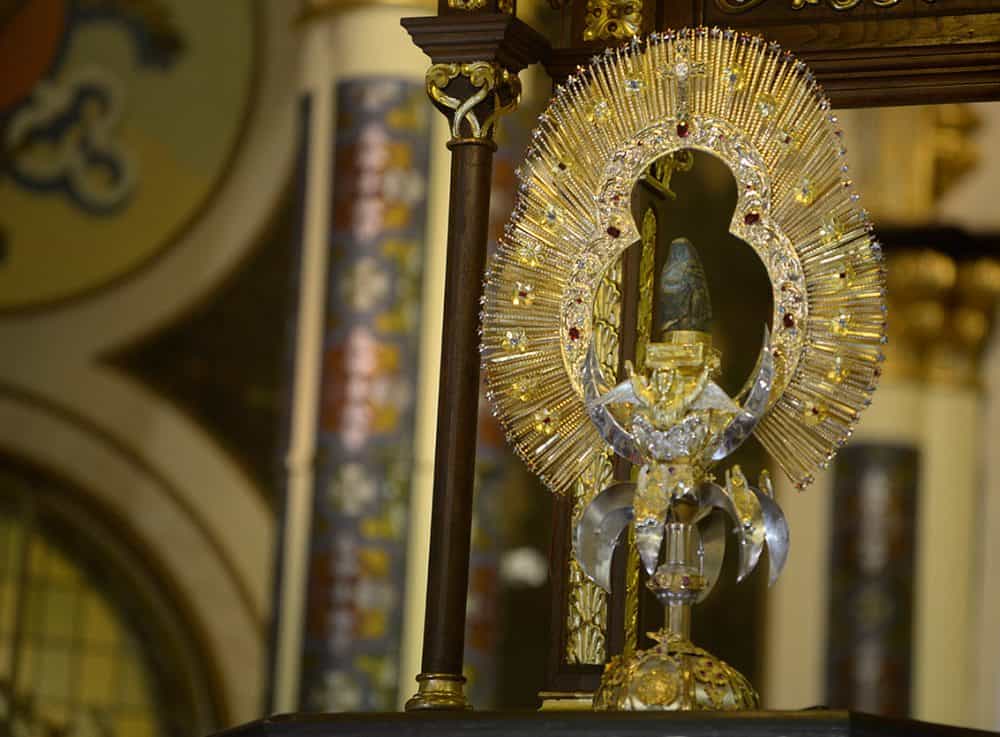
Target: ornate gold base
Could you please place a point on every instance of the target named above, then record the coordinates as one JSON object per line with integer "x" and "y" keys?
{"x": 440, "y": 692}
{"x": 675, "y": 675}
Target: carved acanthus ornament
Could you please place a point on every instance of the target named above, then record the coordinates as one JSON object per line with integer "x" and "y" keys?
{"x": 739, "y": 6}
{"x": 474, "y": 96}
{"x": 610, "y": 20}
{"x": 587, "y": 610}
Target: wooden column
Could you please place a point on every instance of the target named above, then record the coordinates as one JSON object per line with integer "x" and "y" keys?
{"x": 475, "y": 62}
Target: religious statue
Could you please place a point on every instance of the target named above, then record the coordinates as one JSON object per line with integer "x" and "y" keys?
{"x": 551, "y": 348}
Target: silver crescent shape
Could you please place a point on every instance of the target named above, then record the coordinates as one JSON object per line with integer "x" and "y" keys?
{"x": 608, "y": 427}
{"x": 713, "y": 495}
{"x": 752, "y": 536}
{"x": 753, "y": 408}
{"x": 713, "y": 552}
{"x": 776, "y": 535}
{"x": 597, "y": 533}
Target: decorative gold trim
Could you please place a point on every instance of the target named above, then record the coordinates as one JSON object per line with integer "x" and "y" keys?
{"x": 735, "y": 6}
{"x": 675, "y": 675}
{"x": 587, "y": 610}
{"x": 439, "y": 692}
{"x": 494, "y": 91}
{"x": 505, "y": 6}
{"x": 644, "y": 327}
{"x": 612, "y": 20}
{"x": 313, "y": 10}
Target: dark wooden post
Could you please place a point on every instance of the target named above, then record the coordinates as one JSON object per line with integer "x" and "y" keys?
{"x": 474, "y": 63}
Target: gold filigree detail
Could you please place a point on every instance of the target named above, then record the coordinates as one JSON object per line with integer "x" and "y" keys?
{"x": 467, "y": 4}
{"x": 647, "y": 263}
{"x": 644, "y": 326}
{"x": 631, "y": 595}
{"x": 586, "y": 623}
{"x": 735, "y": 6}
{"x": 587, "y": 613}
{"x": 608, "y": 20}
{"x": 674, "y": 675}
{"x": 492, "y": 91}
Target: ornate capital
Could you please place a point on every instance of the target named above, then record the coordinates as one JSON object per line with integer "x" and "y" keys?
{"x": 943, "y": 316}
{"x": 473, "y": 95}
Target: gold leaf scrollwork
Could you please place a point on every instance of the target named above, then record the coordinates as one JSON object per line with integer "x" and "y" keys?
{"x": 505, "y": 6}
{"x": 740, "y": 6}
{"x": 612, "y": 19}
{"x": 493, "y": 90}
{"x": 586, "y": 619}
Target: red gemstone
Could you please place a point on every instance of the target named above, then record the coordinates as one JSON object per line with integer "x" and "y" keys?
{"x": 685, "y": 580}
{"x": 788, "y": 320}
{"x": 522, "y": 293}
{"x": 574, "y": 334}
{"x": 682, "y": 129}
{"x": 613, "y": 231}
{"x": 751, "y": 218}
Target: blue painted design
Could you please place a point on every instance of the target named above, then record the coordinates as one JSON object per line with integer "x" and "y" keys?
{"x": 366, "y": 418}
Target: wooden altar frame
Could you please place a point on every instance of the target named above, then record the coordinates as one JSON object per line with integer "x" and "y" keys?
{"x": 898, "y": 52}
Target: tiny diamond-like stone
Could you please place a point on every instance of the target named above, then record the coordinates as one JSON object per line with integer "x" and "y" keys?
{"x": 514, "y": 340}
{"x": 599, "y": 113}
{"x": 815, "y": 413}
{"x": 544, "y": 423}
{"x": 804, "y": 193}
{"x": 633, "y": 84}
{"x": 681, "y": 70}
{"x": 524, "y": 294}
{"x": 766, "y": 104}
{"x": 733, "y": 77}
{"x": 530, "y": 254}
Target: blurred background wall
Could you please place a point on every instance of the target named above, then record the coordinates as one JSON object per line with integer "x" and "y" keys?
{"x": 221, "y": 249}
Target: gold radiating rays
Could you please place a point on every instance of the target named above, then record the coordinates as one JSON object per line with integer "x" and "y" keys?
{"x": 761, "y": 112}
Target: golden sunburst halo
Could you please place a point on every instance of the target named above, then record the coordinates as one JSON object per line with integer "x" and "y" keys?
{"x": 761, "y": 112}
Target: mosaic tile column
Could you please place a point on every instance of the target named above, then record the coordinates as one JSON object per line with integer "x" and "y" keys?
{"x": 369, "y": 385}
{"x": 355, "y": 364}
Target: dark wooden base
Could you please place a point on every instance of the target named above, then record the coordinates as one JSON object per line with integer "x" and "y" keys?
{"x": 809, "y": 723}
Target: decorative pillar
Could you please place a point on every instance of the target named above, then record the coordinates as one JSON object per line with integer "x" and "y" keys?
{"x": 473, "y": 93}
{"x": 951, "y": 503}
{"x": 875, "y": 539}
{"x": 349, "y": 464}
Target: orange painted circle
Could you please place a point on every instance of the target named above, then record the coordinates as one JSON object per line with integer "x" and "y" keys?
{"x": 29, "y": 42}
